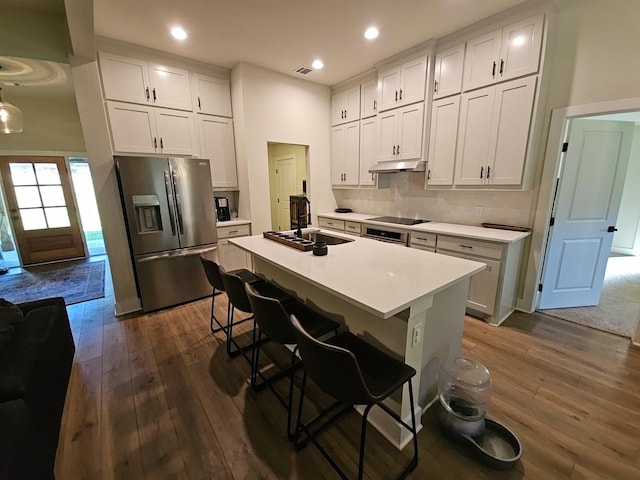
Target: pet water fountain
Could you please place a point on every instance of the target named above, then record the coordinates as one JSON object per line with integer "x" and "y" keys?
{"x": 464, "y": 391}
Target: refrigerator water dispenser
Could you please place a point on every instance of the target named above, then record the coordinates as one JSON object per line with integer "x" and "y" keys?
{"x": 147, "y": 208}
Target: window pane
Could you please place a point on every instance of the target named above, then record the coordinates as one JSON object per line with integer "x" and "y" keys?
{"x": 47, "y": 174}
{"x": 57, "y": 217}
{"x": 33, "y": 219}
{"x": 27, "y": 197}
{"x": 22, "y": 174}
{"x": 52, "y": 196}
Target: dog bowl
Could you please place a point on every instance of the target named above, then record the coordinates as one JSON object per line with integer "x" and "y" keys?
{"x": 497, "y": 447}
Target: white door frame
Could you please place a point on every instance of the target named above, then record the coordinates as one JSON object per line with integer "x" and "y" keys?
{"x": 543, "y": 208}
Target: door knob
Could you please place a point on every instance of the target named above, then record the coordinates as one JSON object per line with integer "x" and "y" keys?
{"x": 612, "y": 228}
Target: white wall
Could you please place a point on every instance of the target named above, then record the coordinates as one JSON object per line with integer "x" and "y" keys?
{"x": 272, "y": 107}
{"x": 595, "y": 60}
{"x": 627, "y": 239}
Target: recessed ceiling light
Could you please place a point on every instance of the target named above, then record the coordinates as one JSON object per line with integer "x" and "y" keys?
{"x": 317, "y": 64}
{"x": 178, "y": 33}
{"x": 371, "y": 33}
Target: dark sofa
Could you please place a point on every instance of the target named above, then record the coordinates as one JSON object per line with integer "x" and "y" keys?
{"x": 35, "y": 365}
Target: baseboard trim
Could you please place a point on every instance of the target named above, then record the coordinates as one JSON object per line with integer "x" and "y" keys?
{"x": 128, "y": 306}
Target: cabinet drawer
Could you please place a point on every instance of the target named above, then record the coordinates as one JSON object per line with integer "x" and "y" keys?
{"x": 331, "y": 223}
{"x": 470, "y": 247}
{"x": 234, "y": 231}
{"x": 352, "y": 227}
{"x": 419, "y": 239}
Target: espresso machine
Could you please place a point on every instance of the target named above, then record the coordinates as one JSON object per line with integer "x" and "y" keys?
{"x": 223, "y": 214}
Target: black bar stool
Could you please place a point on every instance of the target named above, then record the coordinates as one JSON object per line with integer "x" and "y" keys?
{"x": 238, "y": 300}
{"x": 354, "y": 373}
{"x": 211, "y": 269}
{"x": 272, "y": 319}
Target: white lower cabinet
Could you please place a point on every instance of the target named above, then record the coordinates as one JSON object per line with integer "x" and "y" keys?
{"x": 492, "y": 292}
{"x": 230, "y": 256}
{"x": 143, "y": 129}
{"x": 423, "y": 241}
{"x": 216, "y": 144}
{"x": 331, "y": 224}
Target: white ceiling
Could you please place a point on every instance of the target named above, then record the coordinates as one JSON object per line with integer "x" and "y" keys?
{"x": 282, "y": 35}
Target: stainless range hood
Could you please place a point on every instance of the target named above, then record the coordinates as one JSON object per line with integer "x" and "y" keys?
{"x": 399, "y": 166}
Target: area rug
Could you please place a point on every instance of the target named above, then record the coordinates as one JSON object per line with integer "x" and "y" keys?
{"x": 618, "y": 309}
{"x": 76, "y": 281}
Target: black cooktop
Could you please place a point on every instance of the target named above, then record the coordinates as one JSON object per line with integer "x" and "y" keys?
{"x": 399, "y": 220}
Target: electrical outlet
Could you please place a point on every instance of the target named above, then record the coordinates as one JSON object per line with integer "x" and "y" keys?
{"x": 418, "y": 334}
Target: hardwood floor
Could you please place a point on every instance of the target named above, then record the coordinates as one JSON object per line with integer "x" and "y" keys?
{"x": 155, "y": 397}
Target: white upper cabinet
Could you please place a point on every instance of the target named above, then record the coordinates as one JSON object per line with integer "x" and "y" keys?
{"x": 493, "y": 133}
{"x": 211, "y": 95}
{"x": 442, "y": 144}
{"x": 216, "y": 144}
{"x": 402, "y": 85}
{"x": 144, "y": 129}
{"x": 400, "y": 133}
{"x": 345, "y": 154}
{"x": 345, "y": 106}
{"x": 131, "y": 80}
{"x": 448, "y": 72}
{"x": 503, "y": 54}
{"x": 369, "y": 99}
{"x": 368, "y": 152}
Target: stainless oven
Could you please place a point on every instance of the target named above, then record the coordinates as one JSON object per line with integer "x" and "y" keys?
{"x": 386, "y": 234}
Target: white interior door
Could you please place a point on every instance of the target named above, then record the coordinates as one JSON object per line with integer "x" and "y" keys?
{"x": 286, "y": 185}
{"x": 587, "y": 203}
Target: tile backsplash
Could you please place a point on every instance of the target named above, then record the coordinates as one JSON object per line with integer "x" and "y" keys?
{"x": 406, "y": 197}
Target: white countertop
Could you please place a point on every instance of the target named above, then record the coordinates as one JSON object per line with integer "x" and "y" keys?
{"x": 467, "y": 231}
{"x": 378, "y": 277}
{"x": 233, "y": 222}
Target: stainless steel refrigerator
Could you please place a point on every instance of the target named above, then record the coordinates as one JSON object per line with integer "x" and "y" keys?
{"x": 170, "y": 216}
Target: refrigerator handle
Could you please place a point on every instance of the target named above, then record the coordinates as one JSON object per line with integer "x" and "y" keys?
{"x": 167, "y": 188}
{"x": 178, "y": 207}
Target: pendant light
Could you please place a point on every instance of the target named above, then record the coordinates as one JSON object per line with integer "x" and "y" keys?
{"x": 10, "y": 117}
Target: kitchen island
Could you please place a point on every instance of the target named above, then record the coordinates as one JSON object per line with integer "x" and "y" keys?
{"x": 408, "y": 302}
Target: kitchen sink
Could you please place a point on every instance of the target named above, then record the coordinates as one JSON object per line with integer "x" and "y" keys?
{"x": 326, "y": 238}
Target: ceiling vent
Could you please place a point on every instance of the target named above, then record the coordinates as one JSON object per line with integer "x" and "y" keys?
{"x": 304, "y": 70}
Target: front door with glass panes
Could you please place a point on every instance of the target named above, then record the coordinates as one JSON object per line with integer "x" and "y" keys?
{"x": 41, "y": 208}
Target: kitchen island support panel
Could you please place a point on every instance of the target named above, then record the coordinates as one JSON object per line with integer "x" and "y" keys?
{"x": 441, "y": 317}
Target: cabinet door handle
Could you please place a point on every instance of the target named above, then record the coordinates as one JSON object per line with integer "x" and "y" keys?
{"x": 400, "y": 94}
{"x": 464, "y": 246}
{"x": 375, "y": 105}
{"x": 394, "y": 149}
{"x": 488, "y": 171}
{"x": 396, "y": 95}
{"x": 345, "y": 177}
{"x": 481, "y": 172}
{"x": 154, "y": 95}
{"x": 501, "y": 66}
{"x": 199, "y": 106}
{"x": 398, "y": 150}
{"x": 493, "y": 72}
{"x": 161, "y": 143}
{"x": 435, "y": 87}
{"x": 155, "y": 142}
{"x": 233, "y": 232}
{"x": 146, "y": 90}
{"x": 429, "y": 174}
